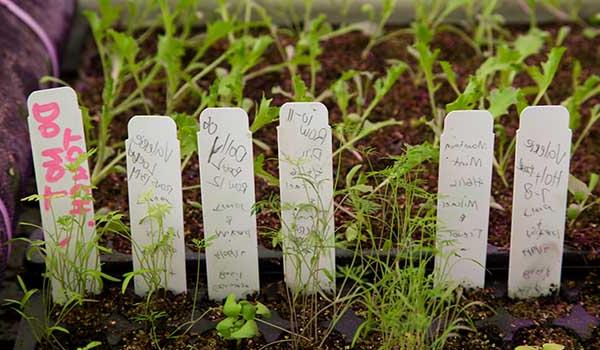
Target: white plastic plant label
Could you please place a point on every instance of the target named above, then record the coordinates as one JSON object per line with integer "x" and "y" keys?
{"x": 464, "y": 185}
{"x": 539, "y": 201}
{"x": 63, "y": 182}
{"x": 155, "y": 204}
{"x": 227, "y": 189}
{"x": 306, "y": 186}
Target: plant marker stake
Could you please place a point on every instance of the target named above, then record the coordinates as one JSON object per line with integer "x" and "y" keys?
{"x": 154, "y": 181}
{"x": 57, "y": 139}
{"x": 542, "y": 159}
{"x": 306, "y": 187}
{"x": 464, "y": 185}
{"x": 227, "y": 188}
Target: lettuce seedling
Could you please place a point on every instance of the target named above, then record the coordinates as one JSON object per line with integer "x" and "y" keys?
{"x": 581, "y": 196}
{"x": 240, "y": 319}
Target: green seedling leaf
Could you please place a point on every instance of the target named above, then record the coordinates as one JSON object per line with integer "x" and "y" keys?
{"x": 126, "y": 280}
{"x": 248, "y": 310}
{"x": 91, "y": 345}
{"x": 582, "y": 93}
{"x": 369, "y": 127}
{"x": 224, "y": 327}
{"x": 450, "y": 75}
{"x": 125, "y": 45}
{"x": 505, "y": 59}
{"x": 573, "y": 211}
{"x": 59, "y": 328}
{"x": 259, "y": 170}
{"x": 593, "y": 183}
{"x": 578, "y": 188}
{"x": 341, "y": 94}
{"x": 264, "y": 115}
{"x": 108, "y": 14}
{"x": 187, "y": 129}
{"x": 248, "y": 330}
{"x": 544, "y": 78}
{"x": 468, "y": 98}
{"x": 170, "y": 51}
{"x": 495, "y": 205}
{"x": 563, "y": 32}
{"x": 591, "y": 32}
{"x": 194, "y": 204}
{"x": 351, "y": 233}
{"x": 351, "y": 173}
{"x": 262, "y": 310}
{"x": 107, "y": 276}
{"x": 550, "y": 346}
{"x": 231, "y": 308}
{"x": 451, "y": 6}
{"x": 215, "y": 31}
{"x": 530, "y": 43}
{"x": 414, "y": 157}
{"x": 247, "y": 51}
{"x": 501, "y": 100}
{"x": 300, "y": 90}
{"x": 422, "y": 32}
{"x": 383, "y": 85}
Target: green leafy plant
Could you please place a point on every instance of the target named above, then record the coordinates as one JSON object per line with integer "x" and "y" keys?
{"x": 151, "y": 317}
{"x": 387, "y": 8}
{"x": 544, "y": 77}
{"x": 91, "y": 345}
{"x": 240, "y": 319}
{"x": 488, "y": 23}
{"x": 592, "y": 120}
{"x": 404, "y": 303}
{"x": 427, "y": 59}
{"x": 44, "y": 325}
{"x": 71, "y": 259}
{"x": 356, "y": 125}
{"x": 548, "y": 346}
{"x": 582, "y": 196}
{"x": 155, "y": 257}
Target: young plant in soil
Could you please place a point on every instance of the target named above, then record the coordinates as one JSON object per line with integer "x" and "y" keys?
{"x": 240, "y": 320}
{"x": 376, "y": 101}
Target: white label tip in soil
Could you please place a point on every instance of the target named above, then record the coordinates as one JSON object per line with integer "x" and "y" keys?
{"x": 306, "y": 188}
{"x": 57, "y": 140}
{"x": 227, "y": 189}
{"x": 155, "y": 203}
{"x": 464, "y": 184}
{"x": 539, "y": 201}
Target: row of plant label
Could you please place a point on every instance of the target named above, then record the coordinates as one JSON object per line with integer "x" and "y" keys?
{"x": 306, "y": 191}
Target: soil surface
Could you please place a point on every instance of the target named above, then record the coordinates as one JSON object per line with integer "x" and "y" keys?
{"x": 405, "y": 102}
{"x": 496, "y": 322}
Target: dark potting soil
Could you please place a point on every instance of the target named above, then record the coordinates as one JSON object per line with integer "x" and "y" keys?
{"x": 114, "y": 319}
{"x": 570, "y": 319}
{"x": 405, "y": 102}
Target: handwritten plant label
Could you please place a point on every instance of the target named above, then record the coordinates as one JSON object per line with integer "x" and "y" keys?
{"x": 306, "y": 186}
{"x": 227, "y": 189}
{"x": 155, "y": 203}
{"x": 464, "y": 185}
{"x": 539, "y": 201}
{"x": 63, "y": 181}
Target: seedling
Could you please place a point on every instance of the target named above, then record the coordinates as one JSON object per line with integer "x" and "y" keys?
{"x": 240, "y": 319}
{"x": 548, "y": 346}
{"x": 583, "y": 196}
